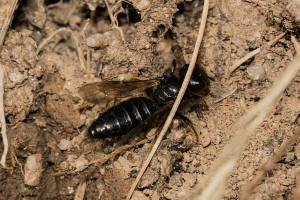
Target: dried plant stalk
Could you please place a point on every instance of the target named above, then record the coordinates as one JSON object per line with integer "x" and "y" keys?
{"x": 2, "y": 119}
{"x": 3, "y": 31}
{"x": 7, "y": 21}
{"x": 178, "y": 99}
{"x": 268, "y": 166}
{"x": 213, "y": 185}
{"x": 252, "y": 54}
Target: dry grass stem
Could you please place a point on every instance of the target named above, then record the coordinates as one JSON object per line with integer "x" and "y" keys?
{"x": 178, "y": 99}
{"x": 18, "y": 162}
{"x": 74, "y": 37}
{"x": 296, "y": 191}
{"x": 3, "y": 32}
{"x": 252, "y": 54}
{"x": 113, "y": 21}
{"x": 88, "y": 52}
{"x": 7, "y": 21}
{"x": 2, "y": 119}
{"x": 268, "y": 166}
{"x": 80, "y": 191}
{"x": 212, "y": 186}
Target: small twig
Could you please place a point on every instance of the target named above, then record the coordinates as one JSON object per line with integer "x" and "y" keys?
{"x": 80, "y": 191}
{"x": 80, "y": 52}
{"x": 75, "y": 38}
{"x": 212, "y": 186}
{"x": 119, "y": 151}
{"x": 178, "y": 99}
{"x": 242, "y": 60}
{"x": 2, "y": 119}
{"x": 276, "y": 39}
{"x": 20, "y": 164}
{"x": 85, "y": 27}
{"x": 226, "y": 95}
{"x": 112, "y": 19}
{"x": 251, "y": 54}
{"x": 268, "y": 166}
{"x": 7, "y": 22}
{"x": 49, "y": 38}
{"x": 296, "y": 44}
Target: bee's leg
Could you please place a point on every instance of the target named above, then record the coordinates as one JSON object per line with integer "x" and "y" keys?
{"x": 134, "y": 78}
{"x": 199, "y": 105}
{"x": 188, "y": 125}
{"x": 153, "y": 140}
{"x": 157, "y": 131}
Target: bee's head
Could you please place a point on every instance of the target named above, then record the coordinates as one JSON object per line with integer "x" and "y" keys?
{"x": 199, "y": 82}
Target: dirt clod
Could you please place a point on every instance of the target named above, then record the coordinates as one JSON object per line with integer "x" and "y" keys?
{"x": 64, "y": 144}
{"x": 138, "y": 195}
{"x": 256, "y": 72}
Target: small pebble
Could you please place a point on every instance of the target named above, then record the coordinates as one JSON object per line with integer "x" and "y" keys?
{"x": 15, "y": 77}
{"x": 100, "y": 185}
{"x": 149, "y": 178}
{"x": 80, "y": 164}
{"x": 33, "y": 170}
{"x": 256, "y": 72}
{"x": 123, "y": 164}
{"x": 64, "y": 144}
{"x": 96, "y": 40}
{"x": 167, "y": 162}
{"x": 70, "y": 190}
{"x": 155, "y": 196}
{"x": 102, "y": 40}
{"x": 143, "y": 4}
{"x": 290, "y": 156}
{"x": 205, "y": 138}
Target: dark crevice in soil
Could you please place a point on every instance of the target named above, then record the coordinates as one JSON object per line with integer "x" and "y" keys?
{"x": 101, "y": 14}
{"x": 20, "y": 19}
{"x": 160, "y": 30}
{"x": 50, "y": 2}
{"x": 130, "y": 17}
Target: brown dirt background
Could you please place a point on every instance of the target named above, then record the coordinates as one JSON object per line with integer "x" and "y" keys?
{"x": 45, "y": 114}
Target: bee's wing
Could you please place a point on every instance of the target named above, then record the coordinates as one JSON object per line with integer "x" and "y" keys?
{"x": 107, "y": 90}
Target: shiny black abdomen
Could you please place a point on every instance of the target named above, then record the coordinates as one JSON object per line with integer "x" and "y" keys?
{"x": 122, "y": 118}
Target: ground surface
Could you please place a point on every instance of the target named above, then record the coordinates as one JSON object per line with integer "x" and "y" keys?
{"x": 45, "y": 114}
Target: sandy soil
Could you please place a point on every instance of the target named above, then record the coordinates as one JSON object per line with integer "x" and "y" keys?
{"x": 47, "y": 118}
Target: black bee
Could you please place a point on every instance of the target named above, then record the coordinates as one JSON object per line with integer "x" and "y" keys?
{"x": 134, "y": 112}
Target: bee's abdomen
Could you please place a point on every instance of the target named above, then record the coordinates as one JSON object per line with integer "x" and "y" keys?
{"x": 122, "y": 118}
